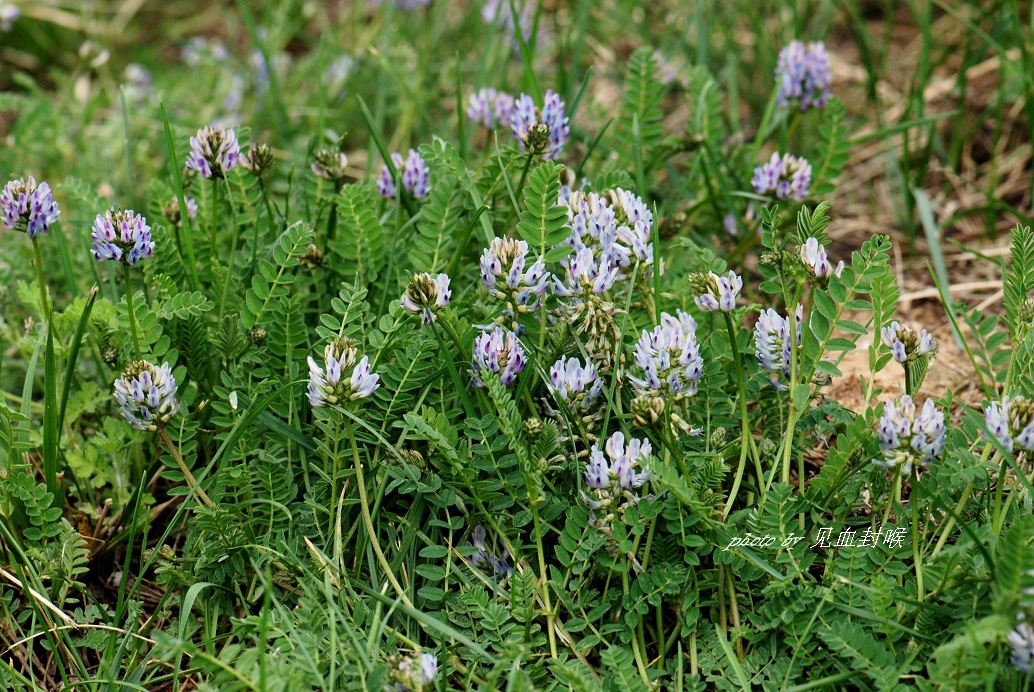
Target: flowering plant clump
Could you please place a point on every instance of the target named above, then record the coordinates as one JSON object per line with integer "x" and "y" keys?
{"x": 669, "y": 358}
{"x": 426, "y": 295}
{"x": 540, "y": 131}
{"x": 585, "y": 304}
{"x": 615, "y": 225}
{"x": 577, "y": 386}
{"x": 412, "y": 171}
{"x": 329, "y": 164}
{"x": 498, "y": 352}
{"x": 816, "y": 261}
{"x": 122, "y": 236}
{"x": 213, "y": 152}
{"x": 613, "y": 475}
{"x": 905, "y": 345}
{"x": 504, "y": 272}
{"x": 907, "y": 437}
{"x": 772, "y": 344}
{"x": 28, "y": 208}
{"x": 345, "y": 377}
{"x": 1011, "y": 423}
{"x": 491, "y": 108}
{"x": 803, "y": 75}
{"x": 146, "y": 395}
{"x": 485, "y": 559}
{"x": 785, "y": 176}
{"x": 712, "y": 292}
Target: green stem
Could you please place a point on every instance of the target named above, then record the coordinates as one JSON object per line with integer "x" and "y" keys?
{"x": 745, "y": 432}
{"x": 174, "y": 451}
{"x": 995, "y": 527}
{"x": 950, "y": 524}
{"x": 215, "y": 216}
{"x": 364, "y": 507}
{"x": 543, "y": 574}
{"x": 132, "y": 313}
{"x": 42, "y": 283}
{"x": 917, "y": 548}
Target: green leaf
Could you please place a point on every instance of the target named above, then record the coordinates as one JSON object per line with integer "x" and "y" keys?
{"x": 543, "y": 223}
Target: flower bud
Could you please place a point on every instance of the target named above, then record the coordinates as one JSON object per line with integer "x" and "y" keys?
{"x": 647, "y": 410}
{"x": 258, "y": 160}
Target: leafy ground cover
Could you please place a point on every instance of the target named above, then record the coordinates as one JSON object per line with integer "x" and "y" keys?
{"x": 419, "y": 345}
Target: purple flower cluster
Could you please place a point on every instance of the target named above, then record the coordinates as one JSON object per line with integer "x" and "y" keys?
{"x": 786, "y": 176}
{"x": 122, "y": 236}
{"x": 579, "y": 387}
{"x": 490, "y": 108}
{"x": 616, "y": 226}
{"x": 905, "y": 344}
{"x": 28, "y": 208}
{"x": 213, "y": 152}
{"x": 669, "y": 358}
{"x": 486, "y": 560}
{"x": 146, "y": 395}
{"x": 344, "y": 379}
{"x": 817, "y": 261}
{"x": 499, "y": 352}
{"x": 803, "y": 75}
{"x": 586, "y": 276}
{"x": 542, "y": 131}
{"x": 618, "y": 472}
{"x": 1012, "y": 423}
{"x": 772, "y": 344}
{"x": 413, "y": 171}
{"x": 505, "y": 274}
{"x": 426, "y": 295}
{"x": 713, "y": 292}
{"x": 906, "y": 437}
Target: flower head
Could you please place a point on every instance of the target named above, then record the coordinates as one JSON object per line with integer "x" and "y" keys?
{"x": 772, "y": 344}
{"x": 485, "y": 559}
{"x": 616, "y": 225}
{"x": 669, "y": 358}
{"x": 171, "y": 212}
{"x": 505, "y": 274}
{"x": 146, "y": 395}
{"x": 122, "y": 236}
{"x": 259, "y": 159}
{"x": 1012, "y": 423}
{"x": 426, "y": 295}
{"x": 329, "y": 164}
{"x": 905, "y": 344}
{"x": 497, "y": 351}
{"x": 344, "y": 379}
{"x": 1021, "y": 640}
{"x": 785, "y": 176}
{"x": 586, "y": 275}
{"x": 541, "y": 131}
{"x": 579, "y": 387}
{"x": 906, "y": 437}
{"x": 816, "y": 261}
{"x": 617, "y": 470}
{"x": 28, "y": 208}
{"x": 213, "y": 152}
{"x": 490, "y": 108}
{"x": 713, "y": 292}
{"x": 412, "y": 171}
{"x": 803, "y": 75}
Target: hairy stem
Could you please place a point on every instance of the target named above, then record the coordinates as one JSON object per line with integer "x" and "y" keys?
{"x": 42, "y": 282}
{"x": 132, "y": 313}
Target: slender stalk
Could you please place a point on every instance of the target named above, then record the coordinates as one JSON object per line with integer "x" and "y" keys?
{"x": 42, "y": 282}
{"x": 950, "y": 524}
{"x": 745, "y": 432}
{"x": 364, "y": 507}
{"x": 174, "y": 451}
{"x": 132, "y": 313}
{"x": 543, "y": 574}
{"x": 995, "y": 526}
{"x": 917, "y": 548}
{"x": 215, "y": 216}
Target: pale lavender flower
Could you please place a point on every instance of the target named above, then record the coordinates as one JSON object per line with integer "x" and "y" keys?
{"x": 490, "y": 107}
{"x": 505, "y": 274}
{"x": 213, "y": 152}
{"x": 772, "y": 344}
{"x": 586, "y": 274}
{"x": 1021, "y": 640}
{"x": 8, "y": 14}
{"x": 613, "y": 475}
{"x": 428, "y": 662}
{"x": 803, "y": 75}
{"x": 817, "y": 261}
{"x": 1012, "y": 423}
{"x": 785, "y": 176}
{"x": 497, "y": 351}
{"x": 669, "y": 358}
{"x": 412, "y": 171}
{"x": 905, "y": 344}
{"x": 542, "y": 131}
{"x": 28, "y": 208}
{"x": 342, "y": 378}
{"x": 426, "y": 295}
{"x": 484, "y": 559}
{"x": 906, "y": 437}
{"x": 122, "y": 236}
{"x": 713, "y": 292}
{"x": 146, "y": 395}
{"x": 616, "y": 226}
{"x": 579, "y": 387}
